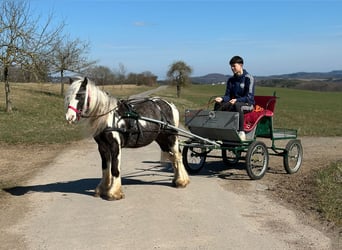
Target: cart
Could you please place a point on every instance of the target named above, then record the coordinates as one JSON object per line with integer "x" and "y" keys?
{"x": 217, "y": 130}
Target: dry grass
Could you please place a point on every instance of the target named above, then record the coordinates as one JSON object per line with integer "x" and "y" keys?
{"x": 328, "y": 184}
{"x": 38, "y": 113}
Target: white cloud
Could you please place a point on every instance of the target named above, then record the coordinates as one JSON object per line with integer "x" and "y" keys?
{"x": 139, "y": 23}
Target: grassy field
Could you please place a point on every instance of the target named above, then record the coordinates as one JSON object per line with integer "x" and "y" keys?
{"x": 311, "y": 113}
{"x": 38, "y": 114}
{"x": 38, "y": 111}
{"x": 38, "y": 118}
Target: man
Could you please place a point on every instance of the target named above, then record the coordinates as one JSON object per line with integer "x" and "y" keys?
{"x": 239, "y": 96}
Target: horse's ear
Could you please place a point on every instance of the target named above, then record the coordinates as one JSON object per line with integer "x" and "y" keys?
{"x": 70, "y": 80}
{"x": 85, "y": 82}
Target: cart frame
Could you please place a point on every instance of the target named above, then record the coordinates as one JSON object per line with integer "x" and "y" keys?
{"x": 217, "y": 130}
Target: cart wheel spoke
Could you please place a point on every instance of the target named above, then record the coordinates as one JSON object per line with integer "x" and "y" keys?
{"x": 257, "y": 160}
{"x": 293, "y": 156}
{"x": 194, "y": 159}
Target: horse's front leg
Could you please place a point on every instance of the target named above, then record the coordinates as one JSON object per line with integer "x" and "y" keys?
{"x": 110, "y": 184}
{"x": 115, "y": 191}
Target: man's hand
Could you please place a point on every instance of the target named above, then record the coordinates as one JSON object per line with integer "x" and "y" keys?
{"x": 232, "y": 101}
{"x": 218, "y": 99}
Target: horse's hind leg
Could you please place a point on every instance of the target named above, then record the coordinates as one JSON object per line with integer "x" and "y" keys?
{"x": 164, "y": 159}
{"x": 181, "y": 177}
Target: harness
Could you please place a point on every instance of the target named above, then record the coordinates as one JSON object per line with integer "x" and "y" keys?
{"x": 127, "y": 112}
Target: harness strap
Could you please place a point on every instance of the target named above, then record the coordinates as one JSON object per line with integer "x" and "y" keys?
{"x": 74, "y": 109}
{"x": 132, "y": 114}
{"x": 78, "y": 112}
{"x": 128, "y": 112}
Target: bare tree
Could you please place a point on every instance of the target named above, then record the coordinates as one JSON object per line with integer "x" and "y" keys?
{"x": 122, "y": 74}
{"x": 70, "y": 55}
{"x": 101, "y": 74}
{"x": 179, "y": 74}
{"x": 144, "y": 78}
{"x": 22, "y": 41}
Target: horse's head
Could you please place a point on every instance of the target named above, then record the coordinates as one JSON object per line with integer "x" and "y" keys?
{"x": 77, "y": 100}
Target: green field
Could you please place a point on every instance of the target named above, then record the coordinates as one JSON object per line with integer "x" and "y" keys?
{"x": 311, "y": 113}
{"x": 38, "y": 111}
{"x": 38, "y": 114}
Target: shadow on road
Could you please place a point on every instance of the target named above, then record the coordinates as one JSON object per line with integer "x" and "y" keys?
{"x": 82, "y": 186}
{"x": 234, "y": 172}
{"x": 154, "y": 175}
{"x": 88, "y": 185}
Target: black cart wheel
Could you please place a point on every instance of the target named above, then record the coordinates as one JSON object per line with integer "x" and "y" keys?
{"x": 193, "y": 159}
{"x": 293, "y": 156}
{"x": 257, "y": 160}
{"x": 229, "y": 157}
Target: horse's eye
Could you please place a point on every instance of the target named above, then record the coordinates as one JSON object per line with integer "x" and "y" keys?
{"x": 78, "y": 96}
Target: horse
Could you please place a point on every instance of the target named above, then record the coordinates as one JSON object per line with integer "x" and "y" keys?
{"x": 117, "y": 124}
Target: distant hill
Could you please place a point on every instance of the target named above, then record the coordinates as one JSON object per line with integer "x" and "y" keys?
{"x": 215, "y": 78}
{"x": 332, "y": 75}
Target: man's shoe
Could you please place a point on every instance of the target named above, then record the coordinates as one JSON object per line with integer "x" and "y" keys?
{"x": 242, "y": 135}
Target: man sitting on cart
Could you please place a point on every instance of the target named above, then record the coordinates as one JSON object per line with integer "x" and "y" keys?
{"x": 239, "y": 95}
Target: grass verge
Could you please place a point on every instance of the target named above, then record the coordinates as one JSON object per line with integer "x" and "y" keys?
{"x": 328, "y": 182}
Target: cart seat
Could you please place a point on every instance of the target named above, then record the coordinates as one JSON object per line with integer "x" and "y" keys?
{"x": 264, "y": 106}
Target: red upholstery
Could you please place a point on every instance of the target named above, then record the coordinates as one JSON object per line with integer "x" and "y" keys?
{"x": 266, "y": 108}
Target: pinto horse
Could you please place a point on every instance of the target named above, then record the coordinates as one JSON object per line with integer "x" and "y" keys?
{"x": 116, "y": 124}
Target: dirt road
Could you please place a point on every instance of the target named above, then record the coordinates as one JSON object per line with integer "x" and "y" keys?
{"x": 220, "y": 209}
{"x": 61, "y": 213}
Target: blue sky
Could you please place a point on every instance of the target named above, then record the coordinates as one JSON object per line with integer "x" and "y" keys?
{"x": 273, "y": 36}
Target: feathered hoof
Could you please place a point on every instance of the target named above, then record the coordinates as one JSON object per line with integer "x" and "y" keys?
{"x": 97, "y": 192}
{"x": 104, "y": 194}
{"x": 180, "y": 183}
{"x": 115, "y": 197}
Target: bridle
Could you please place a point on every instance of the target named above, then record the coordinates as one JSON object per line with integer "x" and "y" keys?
{"x": 80, "y": 111}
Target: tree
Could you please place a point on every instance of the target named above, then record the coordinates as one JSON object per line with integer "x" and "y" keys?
{"x": 23, "y": 43}
{"x": 102, "y": 75}
{"x": 121, "y": 74}
{"x": 145, "y": 78}
{"x": 179, "y": 75}
{"x": 70, "y": 55}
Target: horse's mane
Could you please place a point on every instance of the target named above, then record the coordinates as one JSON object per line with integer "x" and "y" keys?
{"x": 101, "y": 104}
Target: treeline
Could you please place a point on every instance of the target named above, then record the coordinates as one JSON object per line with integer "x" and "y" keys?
{"x": 315, "y": 85}
{"x": 105, "y": 76}
{"x": 102, "y": 75}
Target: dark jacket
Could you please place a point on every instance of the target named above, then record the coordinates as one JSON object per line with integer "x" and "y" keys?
{"x": 241, "y": 88}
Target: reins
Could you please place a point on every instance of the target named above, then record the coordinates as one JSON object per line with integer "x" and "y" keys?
{"x": 100, "y": 115}
{"x": 80, "y": 115}
{"x": 210, "y": 102}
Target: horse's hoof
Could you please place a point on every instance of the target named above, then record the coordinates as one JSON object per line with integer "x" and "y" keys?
{"x": 180, "y": 184}
{"x": 115, "y": 197}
